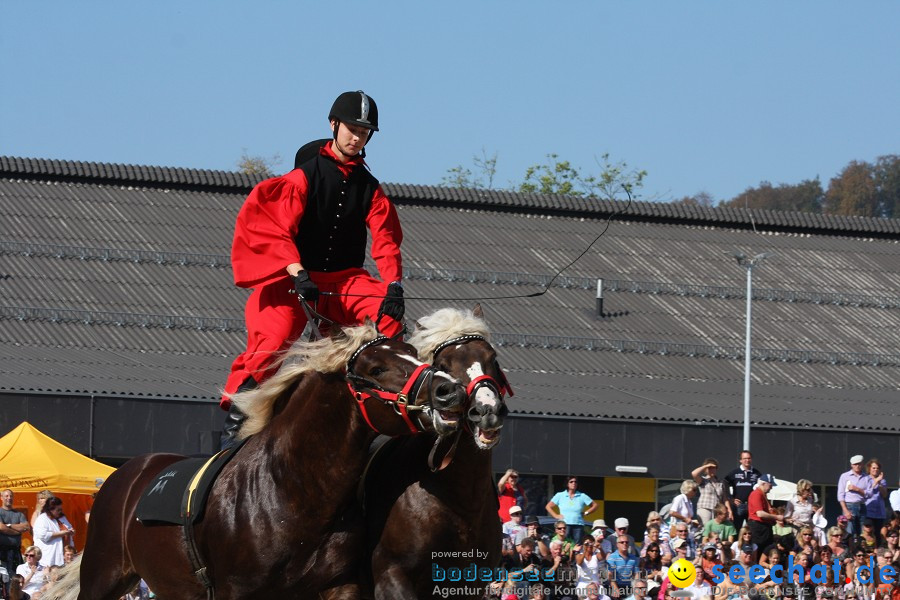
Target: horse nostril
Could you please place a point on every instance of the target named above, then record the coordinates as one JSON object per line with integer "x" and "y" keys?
{"x": 490, "y": 422}
{"x": 448, "y": 393}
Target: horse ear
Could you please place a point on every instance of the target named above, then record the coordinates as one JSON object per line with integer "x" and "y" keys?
{"x": 477, "y": 310}
{"x": 336, "y": 332}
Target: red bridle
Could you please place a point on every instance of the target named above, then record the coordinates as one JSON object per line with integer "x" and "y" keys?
{"x": 399, "y": 401}
{"x": 501, "y": 388}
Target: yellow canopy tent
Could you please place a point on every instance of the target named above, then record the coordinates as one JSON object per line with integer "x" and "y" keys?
{"x": 31, "y": 461}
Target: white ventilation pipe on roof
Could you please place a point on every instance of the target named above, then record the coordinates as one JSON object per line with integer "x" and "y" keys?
{"x": 600, "y": 297}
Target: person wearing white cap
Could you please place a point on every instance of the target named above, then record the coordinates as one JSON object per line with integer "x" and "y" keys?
{"x": 621, "y": 525}
{"x": 760, "y": 516}
{"x": 851, "y": 493}
{"x": 514, "y": 527}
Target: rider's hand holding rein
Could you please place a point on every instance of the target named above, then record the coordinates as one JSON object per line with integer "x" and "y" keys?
{"x": 305, "y": 287}
{"x": 393, "y": 304}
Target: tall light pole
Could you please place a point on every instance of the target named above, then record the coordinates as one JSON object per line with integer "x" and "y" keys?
{"x": 748, "y": 263}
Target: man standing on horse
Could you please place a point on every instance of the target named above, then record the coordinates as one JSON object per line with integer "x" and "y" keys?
{"x": 304, "y": 233}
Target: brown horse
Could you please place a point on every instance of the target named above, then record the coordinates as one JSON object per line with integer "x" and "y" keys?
{"x": 281, "y": 521}
{"x": 424, "y": 522}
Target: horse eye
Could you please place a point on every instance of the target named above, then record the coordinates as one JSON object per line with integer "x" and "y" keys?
{"x": 376, "y": 371}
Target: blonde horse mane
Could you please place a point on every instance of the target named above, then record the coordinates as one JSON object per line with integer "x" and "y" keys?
{"x": 68, "y": 584}
{"x": 442, "y": 325}
{"x": 328, "y": 355}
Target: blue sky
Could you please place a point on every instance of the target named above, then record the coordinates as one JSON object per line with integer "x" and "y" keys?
{"x": 705, "y": 95}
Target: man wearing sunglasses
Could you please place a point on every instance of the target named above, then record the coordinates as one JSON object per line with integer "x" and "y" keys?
{"x": 623, "y": 566}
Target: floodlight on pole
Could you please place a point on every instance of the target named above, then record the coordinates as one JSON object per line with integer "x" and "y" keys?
{"x": 748, "y": 263}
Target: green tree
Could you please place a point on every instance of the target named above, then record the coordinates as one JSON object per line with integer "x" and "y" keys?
{"x": 806, "y": 196}
{"x": 853, "y": 192}
{"x": 258, "y": 165}
{"x": 482, "y": 178}
{"x": 561, "y": 177}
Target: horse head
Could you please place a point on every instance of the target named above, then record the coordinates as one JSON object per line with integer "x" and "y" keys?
{"x": 396, "y": 392}
{"x": 392, "y": 386}
{"x": 457, "y": 342}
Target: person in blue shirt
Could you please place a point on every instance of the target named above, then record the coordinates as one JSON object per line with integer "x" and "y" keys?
{"x": 571, "y": 506}
{"x": 623, "y": 566}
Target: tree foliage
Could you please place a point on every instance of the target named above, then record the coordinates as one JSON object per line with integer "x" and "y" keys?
{"x": 703, "y": 199}
{"x": 853, "y": 191}
{"x": 561, "y": 177}
{"x": 258, "y": 165}
{"x": 482, "y": 178}
{"x": 554, "y": 176}
{"x": 860, "y": 189}
{"x": 887, "y": 180}
{"x": 806, "y": 196}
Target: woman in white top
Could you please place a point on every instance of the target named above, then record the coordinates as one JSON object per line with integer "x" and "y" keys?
{"x": 799, "y": 510}
{"x": 682, "y": 510}
{"x": 588, "y": 563}
{"x": 32, "y": 571}
{"x": 50, "y": 535}
{"x": 744, "y": 538}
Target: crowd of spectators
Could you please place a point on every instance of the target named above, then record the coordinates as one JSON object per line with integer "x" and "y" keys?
{"x": 27, "y": 574}
{"x": 714, "y": 523}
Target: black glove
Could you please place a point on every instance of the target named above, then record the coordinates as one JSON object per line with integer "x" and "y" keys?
{"x": 393, "y": 305}
{"x": 306, "y": 287}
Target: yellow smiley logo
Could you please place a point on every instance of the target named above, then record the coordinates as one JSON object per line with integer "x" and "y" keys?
{"x": 682, "y": 573}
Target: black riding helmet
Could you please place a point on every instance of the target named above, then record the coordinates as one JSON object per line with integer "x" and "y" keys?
{"x": 356, "y": 108}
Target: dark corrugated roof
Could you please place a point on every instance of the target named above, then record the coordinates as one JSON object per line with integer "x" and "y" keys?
{"x": 209, "y": 180}
{"x": 144, "y": 247}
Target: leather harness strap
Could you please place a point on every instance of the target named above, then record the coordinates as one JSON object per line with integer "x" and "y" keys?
{"x": 400, "y": 401}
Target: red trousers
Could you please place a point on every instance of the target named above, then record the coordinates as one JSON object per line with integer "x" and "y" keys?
{"x": 275, "y": 319}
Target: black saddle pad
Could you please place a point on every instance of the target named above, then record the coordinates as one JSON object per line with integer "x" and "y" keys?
{"x": 178, "y": 493}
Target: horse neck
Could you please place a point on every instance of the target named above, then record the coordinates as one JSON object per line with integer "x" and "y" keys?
{"x": 469, "y": 470}
{"x": 319, "y": 440}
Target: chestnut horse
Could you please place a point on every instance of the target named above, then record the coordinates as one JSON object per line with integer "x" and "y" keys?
{"x": 281, "y": 521}
{"x": 448, "y": 518}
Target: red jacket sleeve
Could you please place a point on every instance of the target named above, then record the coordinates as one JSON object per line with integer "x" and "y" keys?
{"x": 264, "y": 232}
{"x": 387, "y": 236}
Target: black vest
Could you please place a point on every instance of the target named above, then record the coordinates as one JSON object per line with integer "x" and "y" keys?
{"x": 332, "y": 231}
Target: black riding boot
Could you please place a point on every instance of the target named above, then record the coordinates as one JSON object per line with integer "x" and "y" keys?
{"x": 235, "y": 418}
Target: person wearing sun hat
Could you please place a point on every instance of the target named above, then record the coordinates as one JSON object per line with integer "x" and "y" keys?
{"x": 851, "y": 493}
